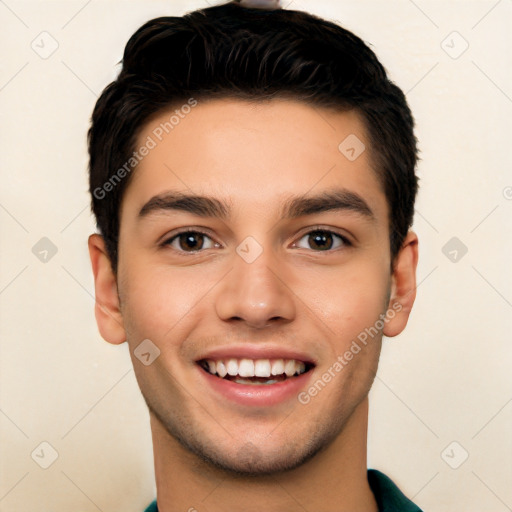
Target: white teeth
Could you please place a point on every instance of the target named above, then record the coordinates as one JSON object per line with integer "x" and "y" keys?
{"x": 246, "y": 368}
{"x": 221, "y": 369}
{"x": 277, "y": 367}
{"x": 232, "y": 367}
{"x": 262, "y": 368}
{"x": 289, "y": 368}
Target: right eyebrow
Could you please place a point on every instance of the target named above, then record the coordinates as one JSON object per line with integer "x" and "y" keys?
{"x": 198, "y": 205}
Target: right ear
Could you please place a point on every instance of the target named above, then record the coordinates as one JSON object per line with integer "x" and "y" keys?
{"x": 107, "y": 310}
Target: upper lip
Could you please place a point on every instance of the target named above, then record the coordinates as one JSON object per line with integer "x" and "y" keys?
{"x": 255, "y": 352}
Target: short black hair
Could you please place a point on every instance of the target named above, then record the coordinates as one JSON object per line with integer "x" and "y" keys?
{"x": 231, "y": 51}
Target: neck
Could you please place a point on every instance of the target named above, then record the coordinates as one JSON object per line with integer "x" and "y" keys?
{"x": 334, "y": 480}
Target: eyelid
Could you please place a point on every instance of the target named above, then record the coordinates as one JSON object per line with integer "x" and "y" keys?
{"x": 347, "y": 239}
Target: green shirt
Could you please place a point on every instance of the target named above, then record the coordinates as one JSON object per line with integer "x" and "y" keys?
{"x": 388, "y": 496}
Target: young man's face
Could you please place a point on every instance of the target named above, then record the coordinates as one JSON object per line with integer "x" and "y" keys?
{"x": 260, "y": 283}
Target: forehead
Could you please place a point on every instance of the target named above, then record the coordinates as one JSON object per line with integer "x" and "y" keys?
{"x": 253, "y": 154}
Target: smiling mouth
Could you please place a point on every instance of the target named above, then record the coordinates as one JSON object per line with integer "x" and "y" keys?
{"x": 255, "y": 371}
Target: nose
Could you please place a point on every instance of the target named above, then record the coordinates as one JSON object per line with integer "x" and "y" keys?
{"x": 256, "y": 293}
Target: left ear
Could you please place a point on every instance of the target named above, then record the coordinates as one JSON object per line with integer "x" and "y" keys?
{"x": 403, "y": 287}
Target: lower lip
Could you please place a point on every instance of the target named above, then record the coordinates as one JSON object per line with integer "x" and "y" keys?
{"x": 262, "y": 395}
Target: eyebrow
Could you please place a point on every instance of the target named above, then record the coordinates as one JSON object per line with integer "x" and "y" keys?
{"x": 204, "y": 206}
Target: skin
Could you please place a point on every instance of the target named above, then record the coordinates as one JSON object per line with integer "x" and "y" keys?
{"x": 212, "y": 454}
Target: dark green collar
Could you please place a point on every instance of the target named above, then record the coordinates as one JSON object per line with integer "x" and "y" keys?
{"x": 388, "y": 496}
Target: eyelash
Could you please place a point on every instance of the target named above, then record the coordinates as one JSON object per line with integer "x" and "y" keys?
{"x": 167, "y": 243}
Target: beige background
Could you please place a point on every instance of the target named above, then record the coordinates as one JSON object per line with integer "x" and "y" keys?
{"x": 445, "y": 379}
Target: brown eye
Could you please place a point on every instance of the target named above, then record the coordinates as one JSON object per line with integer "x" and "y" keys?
{"x": 190, "y": 241}
{"x": 324, "y": 240}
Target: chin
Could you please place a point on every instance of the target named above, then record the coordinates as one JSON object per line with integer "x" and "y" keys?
{"x": 252, "y": 461}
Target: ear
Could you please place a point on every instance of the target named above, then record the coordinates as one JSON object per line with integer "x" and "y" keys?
{"x": 107, "y": 310}
{"x": 403, "y": 286}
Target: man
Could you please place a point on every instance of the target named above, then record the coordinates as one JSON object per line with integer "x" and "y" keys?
{"x": 252, "y": 173}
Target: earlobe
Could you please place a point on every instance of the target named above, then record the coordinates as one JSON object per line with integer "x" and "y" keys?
{"x": 403, "y": 291}
{"x": 107, "y": 310}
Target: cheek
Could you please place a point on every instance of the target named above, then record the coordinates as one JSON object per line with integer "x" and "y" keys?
{"x": 350, "y": 303}
{"x": 157, "y": 302}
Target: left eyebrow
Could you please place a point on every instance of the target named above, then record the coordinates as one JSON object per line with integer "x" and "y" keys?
{"x": 203, "y": 206}
{"x": 334, "y": 200}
